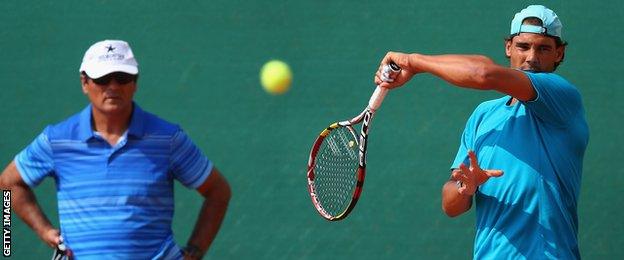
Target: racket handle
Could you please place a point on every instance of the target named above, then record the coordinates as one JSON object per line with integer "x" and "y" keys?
{"x": 388, "y": 73}
{"x": 377, "y": 98}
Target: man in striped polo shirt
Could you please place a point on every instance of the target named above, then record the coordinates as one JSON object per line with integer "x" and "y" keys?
{"x": 114, "y": 166}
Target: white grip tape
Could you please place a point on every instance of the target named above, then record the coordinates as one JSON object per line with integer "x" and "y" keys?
{"x": 377, "y": 98}
{"x": 387, "y": 75}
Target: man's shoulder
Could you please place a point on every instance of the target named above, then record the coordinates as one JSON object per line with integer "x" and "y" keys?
{"x": 154, "y": 125}
{"x": 551, "y": 75}
{"x": 66, "y": 129}
{"x": 548, "y": 78}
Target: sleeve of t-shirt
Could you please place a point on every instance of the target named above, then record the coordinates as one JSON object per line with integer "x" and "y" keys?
{"x": 467, "y": 141}
{"x": 189, "y": 165}
{"x": 35, "y": 162}
{"x": 557, "y": 100}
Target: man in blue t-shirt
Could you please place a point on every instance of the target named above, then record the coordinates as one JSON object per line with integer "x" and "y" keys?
{"x": 536, "y": 135}
{"x": 114, "y": 166}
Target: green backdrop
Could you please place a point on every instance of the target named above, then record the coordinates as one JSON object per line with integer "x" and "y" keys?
{"x": 199, "y": 63}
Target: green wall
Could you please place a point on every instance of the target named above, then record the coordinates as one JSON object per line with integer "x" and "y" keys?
{"x": 199, "y": 63}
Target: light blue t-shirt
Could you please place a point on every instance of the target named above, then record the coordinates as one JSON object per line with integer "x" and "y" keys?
{"x": 531, "y": 211}
{"x": 115, "y": 202}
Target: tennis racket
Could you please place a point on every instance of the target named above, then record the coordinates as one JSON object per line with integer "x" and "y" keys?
{"x": 61, "y": 252}
{"x": 337, "y": 163}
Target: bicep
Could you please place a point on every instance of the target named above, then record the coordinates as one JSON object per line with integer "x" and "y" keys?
{"x": 510, "y": 81}
{"x": 215, "y": 185}
{"x": 11, "y": 177}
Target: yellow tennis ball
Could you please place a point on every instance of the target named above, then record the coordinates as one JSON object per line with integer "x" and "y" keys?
{"x": 275, "y": 77}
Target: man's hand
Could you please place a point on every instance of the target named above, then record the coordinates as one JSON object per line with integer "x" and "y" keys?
{"x": 61, "y": 252}
{"x": 52, "y": 237}
{"x": 471, "y": 177}
{"x": 400, "y": 59}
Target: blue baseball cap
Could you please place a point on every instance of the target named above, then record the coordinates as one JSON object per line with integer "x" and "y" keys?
{"x": 551, "y": 23}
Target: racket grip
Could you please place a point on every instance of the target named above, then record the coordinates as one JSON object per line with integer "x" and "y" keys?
{"x": 377, "y": 98}
{"x": 388, "y": 73}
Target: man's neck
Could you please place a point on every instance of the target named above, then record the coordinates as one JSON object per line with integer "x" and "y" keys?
{"x": 111, "y": 126}
{"x": 512, "y": 101}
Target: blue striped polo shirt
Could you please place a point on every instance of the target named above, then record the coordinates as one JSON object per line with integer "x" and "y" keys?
{"x": 115, "y": 202}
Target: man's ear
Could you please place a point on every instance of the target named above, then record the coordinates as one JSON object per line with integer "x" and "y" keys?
{"x": 83, "y": 82}
{"x": 560, "y": 52}
{"x": 508, "y": 48}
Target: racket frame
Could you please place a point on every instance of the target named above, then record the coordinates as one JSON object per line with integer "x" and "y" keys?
{"x": 365, "y": 117}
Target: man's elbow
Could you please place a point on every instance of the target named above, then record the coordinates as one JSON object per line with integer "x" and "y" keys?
{"x": 216, "y": 188}
{"x": 221, "y": 195}
{"x": 451, "y": 212}
{"x": 226, "y": 193}
{"x": 483, "y": 76}
{"x": 453, "y": 204}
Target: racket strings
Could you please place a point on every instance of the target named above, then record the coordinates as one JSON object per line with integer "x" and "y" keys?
{"x": 336, "y": 170}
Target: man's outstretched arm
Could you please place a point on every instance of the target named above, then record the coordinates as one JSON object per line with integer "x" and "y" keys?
{"x": 467, "y": 71}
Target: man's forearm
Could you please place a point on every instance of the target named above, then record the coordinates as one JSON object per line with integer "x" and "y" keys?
{"x": 208, "y": 224}
{"x": 27, "y": 208}
{"x": 210, "y": 217}
{"x": 476, "y": 72}
{"x": 454, "y": 203}
{"x": 461, "y": 70}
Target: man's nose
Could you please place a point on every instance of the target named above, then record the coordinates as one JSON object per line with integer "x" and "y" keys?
{"x": 532, "y": 56}
{"x": 113, "y": 84}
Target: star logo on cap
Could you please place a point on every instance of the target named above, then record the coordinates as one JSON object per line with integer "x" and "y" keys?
{"x": 110, "y": 48}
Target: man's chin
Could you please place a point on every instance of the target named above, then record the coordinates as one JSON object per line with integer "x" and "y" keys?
{"x": 532, "y": 69}
{"x": 113, "y": 107}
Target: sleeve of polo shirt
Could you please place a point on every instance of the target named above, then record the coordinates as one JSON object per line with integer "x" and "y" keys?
{"x": 467, "y": 141}
{"x": 189, "y": 165}
{"x": 557, "y": 100}
{"x": 35, "y": 162}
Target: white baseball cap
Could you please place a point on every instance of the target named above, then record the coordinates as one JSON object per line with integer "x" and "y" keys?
{"x": 109, "y": 56}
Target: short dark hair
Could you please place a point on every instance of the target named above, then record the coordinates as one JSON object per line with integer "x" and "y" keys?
{"x": 536, "y": 21}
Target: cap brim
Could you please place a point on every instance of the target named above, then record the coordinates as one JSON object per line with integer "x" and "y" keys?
{"x": 95, "y": 73}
